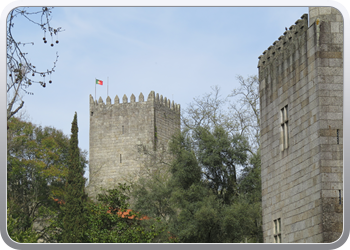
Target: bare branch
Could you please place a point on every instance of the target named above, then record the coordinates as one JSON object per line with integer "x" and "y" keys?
{"x": 20, "y": 72}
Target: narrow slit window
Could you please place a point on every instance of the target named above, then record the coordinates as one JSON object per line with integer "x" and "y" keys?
{"x": 337, "y": 136}
{"x": 339, "y": 196}
{"x": 123, "y": 129}
{"x": 277, "y": 231}
{"x": 286, "y": 134}
{"x": 284, "y": 128}
{"x": 120, "y": 158}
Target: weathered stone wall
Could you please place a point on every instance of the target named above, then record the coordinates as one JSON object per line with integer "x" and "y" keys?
{"x": 303, "y": 70}
{"x": 328, "y": 33}
{"x": 117, "y": 133}
{"x": 166, "y": 121}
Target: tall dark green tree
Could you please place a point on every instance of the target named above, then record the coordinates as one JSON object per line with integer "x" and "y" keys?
{"x": 221, "y": 155}
{"x": 74, "y": 221}
{"x": 201, "y": 201}
{"x": 185, "y": 168}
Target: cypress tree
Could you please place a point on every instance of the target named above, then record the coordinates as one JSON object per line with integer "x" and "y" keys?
{"x": 75, "y": 198}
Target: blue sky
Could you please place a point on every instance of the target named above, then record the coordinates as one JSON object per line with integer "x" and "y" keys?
{"x": 179, "y": 52}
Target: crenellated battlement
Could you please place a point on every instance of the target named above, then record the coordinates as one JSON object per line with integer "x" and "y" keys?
{"x": 120, "y": 129}
{"x": 285, "y": 43}
{"x": 151, "y": 99}
{"x": 301, "y": 127}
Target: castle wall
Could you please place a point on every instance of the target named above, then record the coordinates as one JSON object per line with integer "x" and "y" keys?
{"x": 328, "y": 33}
{"x": 167, "y": 122}
{"x": 117, "y": 133}
{"x": 301, "y": 77}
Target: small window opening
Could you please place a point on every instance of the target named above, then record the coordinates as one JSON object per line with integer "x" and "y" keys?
{"x": 92, "y": 113}
{"x": 123, "y": 129}
{"x": 139, "y": 148}
{"x": 277, "y": 231}
{"x": 284, "y": 128}
{"x": 120, "y": 158}
{"x": 337, "y": 136}
{"x": 339, "y": 196}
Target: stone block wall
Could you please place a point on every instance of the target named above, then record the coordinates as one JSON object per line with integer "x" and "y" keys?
{"x": 119, "y": 131}
{"x": 301, "y": 76}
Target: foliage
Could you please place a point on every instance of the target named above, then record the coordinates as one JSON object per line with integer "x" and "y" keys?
{"x": 241, "y": 221}
{"x": 151, "y": 194}
{"x": 199, "y": 215}
{"x": 202, "y": 208}
{"x": 250, "y": 181}
{"x": 111, "y": 221}
{"x": 220, "y": 155}
{"x": 185, "y": 168}
{"x": 20, "y": 72}
{"x": 212, "y": 191}
{"x": 26, "y": 236}
{"x": 36, "y": 172}
{"x": 239, "y": 112}
{"x": 40, "y": 206}
{"x": 75, "y": 197}
{"x": 200, "y": 190}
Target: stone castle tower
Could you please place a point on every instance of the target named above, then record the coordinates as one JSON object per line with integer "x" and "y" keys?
{"x": 301, "y": 101}
{"x": 119, "y": 130}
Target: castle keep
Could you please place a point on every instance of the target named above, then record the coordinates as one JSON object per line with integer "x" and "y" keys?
{"x": 301, "y": 103}
{"x": 118, "y": 131}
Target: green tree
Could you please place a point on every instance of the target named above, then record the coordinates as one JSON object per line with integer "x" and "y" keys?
{"x": 36, "y": 172}
{"x": 221, "y": 155}
{"x": 213, "y": 190}
{"x": 239, "y": 112}
{"x": 111, "y": 221}
{"x": 250, "y": 180}
{"x": 185, "y": 168}
{"x": 198, "y": 216}
{"x": 249, "y": 204}
{"x": 201, "y": 185}
{"x": 202, "y": 201}
{"x": 27, "y": 236}
{"x": 151, "y": 195}
{"x": 75, "y": 200}
{"x": 241, "y": 221}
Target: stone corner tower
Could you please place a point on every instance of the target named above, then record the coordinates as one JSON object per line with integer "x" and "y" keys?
{"x": 118, "y": 130}
{"x": 301, "y": 102}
